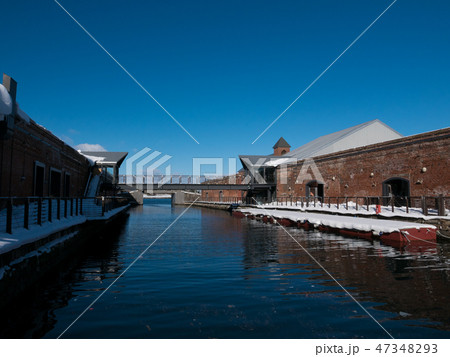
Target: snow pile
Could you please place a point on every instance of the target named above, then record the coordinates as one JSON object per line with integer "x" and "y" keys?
{"x": 109, "y": 214}
{"x": 22, "y": 115}
{"x": 277, "y": 162}
{"x": 157, "y": 196}
{"x": 92, "y": 159}
{"x": 92, "y": 211}
{"x": 386, "y": 211}
{"x": 35, "y": 253}
{"x": 23, "y": 236}
{"x": 5, "y": 101}
{"x": 377, "y": 226}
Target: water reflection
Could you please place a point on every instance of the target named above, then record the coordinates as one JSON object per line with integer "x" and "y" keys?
{"x": 413, "y": 285}
{"x": 33, "y": 314}
{"x": 215, "y": 276}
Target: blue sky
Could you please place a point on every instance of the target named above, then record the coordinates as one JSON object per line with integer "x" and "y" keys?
{"x": 225, "y": 70}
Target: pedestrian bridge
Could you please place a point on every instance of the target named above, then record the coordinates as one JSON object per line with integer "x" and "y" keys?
{"x": 186, "y": 182}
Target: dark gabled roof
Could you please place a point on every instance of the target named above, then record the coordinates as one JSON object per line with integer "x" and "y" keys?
{"x": 281, "y": 143}
{"x": 106, "y": 157}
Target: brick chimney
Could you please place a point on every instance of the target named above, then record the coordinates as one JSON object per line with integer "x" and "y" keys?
{"x": 281, "y": 147}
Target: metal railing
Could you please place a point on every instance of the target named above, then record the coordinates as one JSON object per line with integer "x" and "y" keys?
{"x": 426, "y": 205}
{"x": 25, "y": 212}
{"x": 217, "y": 199}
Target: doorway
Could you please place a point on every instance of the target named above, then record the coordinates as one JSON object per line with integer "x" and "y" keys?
{"x": 314, "y": 188}
{"x": 55, "y": 183}
{"x": 397, "y": 189}
{"x": 38, "y": 184}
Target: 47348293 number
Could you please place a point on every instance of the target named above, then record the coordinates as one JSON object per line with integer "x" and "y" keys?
{"x": 407, "y": 348}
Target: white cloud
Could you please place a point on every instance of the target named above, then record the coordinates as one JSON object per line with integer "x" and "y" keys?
{"x": 90, "y": 147}
{"x": 73, "y": 131}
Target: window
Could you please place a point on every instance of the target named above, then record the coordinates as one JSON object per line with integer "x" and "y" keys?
{"x": 66, "y": 184}
{"x": 38, "y": 182}
{"x": 55, "y": 183}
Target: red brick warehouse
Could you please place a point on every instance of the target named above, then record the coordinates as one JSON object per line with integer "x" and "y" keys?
{"x": 370, "y": 159}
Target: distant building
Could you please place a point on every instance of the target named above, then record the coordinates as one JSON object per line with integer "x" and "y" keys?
{"x": 370, "y": 159}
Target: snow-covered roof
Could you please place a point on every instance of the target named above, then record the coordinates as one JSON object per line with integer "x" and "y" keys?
{"x": 265, "y": 160}
{"x": 92, "y": 159}
{"x": 22, "y": 115}
{"x": 5, "y": 101}
{"x": 276, "y": 161}
{"x": 371, "y": 132}
{"x": 105, "y": 157}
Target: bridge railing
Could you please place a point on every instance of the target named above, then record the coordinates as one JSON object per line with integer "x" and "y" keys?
{"x": 166, "y": 179}
{"x": 218, "y": 200}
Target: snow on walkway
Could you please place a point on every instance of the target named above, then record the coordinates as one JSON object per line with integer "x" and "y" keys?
{"x": 386, "y": 211}
{"x": 377, "y": 226}
{"x": 24, "y": 236}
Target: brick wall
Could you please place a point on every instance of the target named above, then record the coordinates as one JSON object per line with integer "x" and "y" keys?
{"x": 362, "y": 171}
{"x": 30, "y": 143}
{"x": 281, "y": 151}
{"x": 215, "y": 194}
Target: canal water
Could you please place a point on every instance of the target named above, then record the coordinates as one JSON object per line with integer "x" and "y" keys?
{"x": 212, "y": 275}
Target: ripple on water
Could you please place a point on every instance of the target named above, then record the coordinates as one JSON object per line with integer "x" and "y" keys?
{"x": 215, "y": 276}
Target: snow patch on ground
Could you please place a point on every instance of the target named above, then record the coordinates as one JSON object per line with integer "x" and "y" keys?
{"x": 44, "y": 249}
{"x": 377, "y": 226}
{"x": 23, "y": 236}
{"x": 157, "y": 196}
{"x": 109, "y": 214}
{"x": 362, "y": 210}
